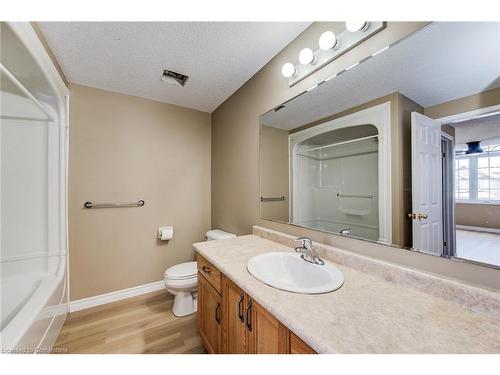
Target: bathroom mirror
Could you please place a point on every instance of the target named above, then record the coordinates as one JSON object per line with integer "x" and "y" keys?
{"x": 402, "y": 149}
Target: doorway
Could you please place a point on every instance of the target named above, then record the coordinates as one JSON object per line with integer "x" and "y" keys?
{"x": 456, "y": 202}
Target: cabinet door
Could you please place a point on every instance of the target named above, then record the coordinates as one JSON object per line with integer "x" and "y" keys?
{"x": 233, "y": 324}
{"x": 297, "y": 346}
{"x": 266, "y": 335}
{"x": 209, "y": 315}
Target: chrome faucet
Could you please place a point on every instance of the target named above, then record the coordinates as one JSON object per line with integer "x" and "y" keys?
{"x": 307, "y": 251}
{"x": 346, "y": 232}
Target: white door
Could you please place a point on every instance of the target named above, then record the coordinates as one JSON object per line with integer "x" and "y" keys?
{"x": 426, "y": 184}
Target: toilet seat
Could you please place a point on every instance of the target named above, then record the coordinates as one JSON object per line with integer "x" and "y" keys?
{"x": 182, "y": 271}
{"x": 181, "y": 284}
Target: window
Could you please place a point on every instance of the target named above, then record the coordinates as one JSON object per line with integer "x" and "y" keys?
{"x": 478, "y": 176}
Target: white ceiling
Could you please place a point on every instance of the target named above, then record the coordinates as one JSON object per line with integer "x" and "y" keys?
{"x": 482, "y": 129}
{"x": 129, "y": 57}
{"x": 441, "y": 62}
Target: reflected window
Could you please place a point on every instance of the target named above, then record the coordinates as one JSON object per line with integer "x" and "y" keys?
{"x": 478, "y": 176}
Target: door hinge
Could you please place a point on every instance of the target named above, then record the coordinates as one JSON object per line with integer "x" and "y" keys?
{"x": 445, "y": 245}
{"x": 444, "y": 155}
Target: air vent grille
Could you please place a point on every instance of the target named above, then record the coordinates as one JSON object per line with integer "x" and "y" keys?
{"x": 174, "y": 78}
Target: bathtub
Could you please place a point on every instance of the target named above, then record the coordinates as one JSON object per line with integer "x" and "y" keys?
{"x": 33, "y": 194}
{"x": 34, "y": 303}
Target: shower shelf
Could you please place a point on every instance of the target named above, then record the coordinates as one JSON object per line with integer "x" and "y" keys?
{"x": 23, "y": 91}
{"x": 341, "y": 149}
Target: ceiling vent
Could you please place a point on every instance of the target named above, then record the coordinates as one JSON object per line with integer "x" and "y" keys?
{"x": 174, "y": 78}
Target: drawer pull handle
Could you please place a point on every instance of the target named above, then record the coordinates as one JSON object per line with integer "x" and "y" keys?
{"x": 217, "y": 313}
{"x": 249, "y": 316}
{"x": 206, "y": 269}
{"x": 241, "y": 314}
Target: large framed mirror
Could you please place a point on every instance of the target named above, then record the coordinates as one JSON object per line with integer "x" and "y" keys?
{"x": 403, "y": 149}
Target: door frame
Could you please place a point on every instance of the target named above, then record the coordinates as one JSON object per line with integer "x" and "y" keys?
{"x": 450, "y": 120}
{"x": 448, "y": 194}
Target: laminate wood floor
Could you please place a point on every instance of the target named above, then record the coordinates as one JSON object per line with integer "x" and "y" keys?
{"x": 479, "y": 246}
{"x": 142, "y": 324}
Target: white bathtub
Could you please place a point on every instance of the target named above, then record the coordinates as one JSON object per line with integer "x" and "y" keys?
{"x": 360, "y": 231}
{"x": 33, "y": 201}
{"x": 34, "y": 303}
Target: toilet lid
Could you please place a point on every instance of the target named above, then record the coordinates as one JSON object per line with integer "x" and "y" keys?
{"x": 182, "y": 271}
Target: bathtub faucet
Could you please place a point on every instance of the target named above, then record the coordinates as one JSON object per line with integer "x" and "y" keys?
{"x": 346, "y": 232}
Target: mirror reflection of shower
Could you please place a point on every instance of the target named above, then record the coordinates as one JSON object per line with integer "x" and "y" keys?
{"x": 335, "y": 181}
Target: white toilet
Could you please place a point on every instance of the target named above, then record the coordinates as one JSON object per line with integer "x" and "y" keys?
{"x": 181, "y": 279}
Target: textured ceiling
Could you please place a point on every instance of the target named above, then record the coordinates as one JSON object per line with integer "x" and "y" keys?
{"x": 441, "y": 62}
{"x": 129, "y": 57}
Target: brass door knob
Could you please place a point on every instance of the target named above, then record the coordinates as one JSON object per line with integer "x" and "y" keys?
{"x": 412, "y": 215}
{"x": 422, "y": 216}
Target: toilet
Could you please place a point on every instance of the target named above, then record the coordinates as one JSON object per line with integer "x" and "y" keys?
{"x": 181, "y": 280}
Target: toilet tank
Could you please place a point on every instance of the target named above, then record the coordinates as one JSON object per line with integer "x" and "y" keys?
{"x": 217, "y": 234}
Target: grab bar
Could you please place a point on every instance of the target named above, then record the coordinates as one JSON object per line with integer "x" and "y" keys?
{"x": 272, "y": 199}
{"x": 343, "y": 195}
{"x": 89, "y": 204}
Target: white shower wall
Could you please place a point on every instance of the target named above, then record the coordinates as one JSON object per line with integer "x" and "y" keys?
{"x": 33, "y": 150}
{"x": 320, "y": 181}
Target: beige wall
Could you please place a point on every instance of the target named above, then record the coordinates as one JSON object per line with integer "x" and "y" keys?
{"x": 124, "y": 148}
{"x": 469, "y": 103}
{"x": 401, "y": 166}
{"x": 274, "y": 172}
{"x": 235, "y": 154}
{"x": 477, "y": 215}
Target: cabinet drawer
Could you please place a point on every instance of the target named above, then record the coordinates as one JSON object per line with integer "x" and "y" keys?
{"x": 211, "y": 273}
{"x": 297, "y": 346}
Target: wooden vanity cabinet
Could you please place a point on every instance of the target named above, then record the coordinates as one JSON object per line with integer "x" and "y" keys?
{"x": 247, "y": 328}
{"x": 231, "y": 322}
{"x": 297, "y": 346}
{"x": 209, "y": 315}
{"x": 234, "y": 302}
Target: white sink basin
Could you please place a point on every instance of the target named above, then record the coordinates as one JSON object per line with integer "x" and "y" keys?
{"x": 287, "y": 271}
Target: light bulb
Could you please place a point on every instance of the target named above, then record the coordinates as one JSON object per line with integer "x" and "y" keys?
{"x": 354, "y": 26}
{"x": 327, "y": 40}
{"x": 288, "y": 70}
{"x": 306, "y": 56}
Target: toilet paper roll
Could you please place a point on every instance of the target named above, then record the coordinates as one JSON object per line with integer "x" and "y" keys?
{"x": 165, "y": 233}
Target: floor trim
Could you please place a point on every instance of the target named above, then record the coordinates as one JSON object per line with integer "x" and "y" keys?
{"x": 118, "y": 295}
{"x": 478, "y": 229}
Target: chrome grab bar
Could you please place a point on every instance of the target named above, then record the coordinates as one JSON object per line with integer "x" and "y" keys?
{"x": 344, "y": 195}
{"x": 89, "y": 204}
{"x": 272, "y": 199}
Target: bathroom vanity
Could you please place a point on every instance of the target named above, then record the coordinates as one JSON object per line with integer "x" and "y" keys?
{"x": 231, "y": 321}
{"x": 380, "y": 308}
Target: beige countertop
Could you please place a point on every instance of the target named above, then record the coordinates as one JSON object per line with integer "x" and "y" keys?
{"x": 366, "y": 315}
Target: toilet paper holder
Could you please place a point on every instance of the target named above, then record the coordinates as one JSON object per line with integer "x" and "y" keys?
{"x": 165, "y": 233}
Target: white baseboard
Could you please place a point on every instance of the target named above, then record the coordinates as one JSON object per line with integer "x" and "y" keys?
{"x": 102, "y": 299}
{"x": 478, "y": 229}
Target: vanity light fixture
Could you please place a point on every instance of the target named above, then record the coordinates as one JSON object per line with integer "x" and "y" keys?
{"x": 288, "y": 70}
{"x": 354, "y": 26}
{"x": 331, "y": 46}
{"x": 306, "y": 56}
{"x": 328, "y": 40}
